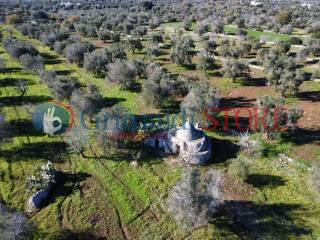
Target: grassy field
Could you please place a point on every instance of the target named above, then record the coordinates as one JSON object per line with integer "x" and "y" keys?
{"x": 108, "y": 197}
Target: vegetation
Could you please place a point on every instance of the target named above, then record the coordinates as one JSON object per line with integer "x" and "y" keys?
{"x": 134, "y": 70}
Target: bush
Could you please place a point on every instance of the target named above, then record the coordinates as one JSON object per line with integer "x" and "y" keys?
{"x": 45, "y": 177}
{"x": 294, "y": 114}
{"x": 248, "y": 145}
{"x": 122, "y": 73}
{"x": 194, "y": 200}
{"x": 239, "y": 169}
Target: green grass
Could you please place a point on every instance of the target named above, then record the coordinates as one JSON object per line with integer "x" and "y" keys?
{"x": 270, "y": 36}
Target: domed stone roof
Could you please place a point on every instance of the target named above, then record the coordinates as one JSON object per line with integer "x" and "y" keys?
{"x": 188, "y": 133}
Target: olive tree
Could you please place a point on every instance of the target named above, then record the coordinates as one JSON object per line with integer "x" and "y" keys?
{"x": 88, "y": 101}
{"x": 206, "y": 62}
{"x": 14, "y": 225}
{"x": 135, "y": 44}
{"x": 201, "y": 98}
{"x": 195, "y": 199}
{"x": 183, "y": 51}
{"x": 122, "y": 73}
{"x": 234, "y": 69}
{"x": 75, "y": 52}
{"x": 33, "y": 63}
{"x": 96, "y": 62}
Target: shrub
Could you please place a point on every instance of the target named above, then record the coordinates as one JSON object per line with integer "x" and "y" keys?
{"x": 194, "y": 200}
{"x": 248, "y": 145}
{"x": 239, "y": 169}
{"x": 316, "y": 35}
{"x": 118, "y": 51}
{"x": 88, "y": 101}
{"x": 140, "y": 67}
{"x": 135, "y": 44}
{"x": 294, "y": 114}
{"x": 45, "y": 177}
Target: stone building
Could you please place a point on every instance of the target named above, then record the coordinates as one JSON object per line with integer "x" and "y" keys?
{"x": 190, "y": 143}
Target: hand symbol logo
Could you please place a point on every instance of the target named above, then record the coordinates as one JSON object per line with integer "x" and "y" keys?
{"x": 48, "y": 122}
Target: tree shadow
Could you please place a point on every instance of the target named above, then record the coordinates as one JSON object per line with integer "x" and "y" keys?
{"x": 136, "y": 87}
{"x": 23, "y": 127}
{"x": 313, "y": 96}
{"x": 239, "y": 102}
{"x": 69, "y": 235}
{"x": 12, "y": 82}
{"x": 214, "y": 74}
{"x": 63, "y": 72}
{"x": 255, "y": 82}
{"x": 19, "y": 101}
{"x": 270, "y": 221}
{"x": 190, "y": 67}
{"x": 110, "y": 102}
{"x": 67, "y": 184}
{"x": 50, "y": 59}
{"x": 302, "y": 136}
{"x": 53, "y": 151}
{"x": 11, "y": 70}
{"x": 173, "y": 107}
{"x": 223, "y": 150}
{"x": 262, "y": 180}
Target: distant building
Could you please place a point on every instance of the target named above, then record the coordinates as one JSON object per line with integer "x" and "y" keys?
{"x": 255, "y": 3}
